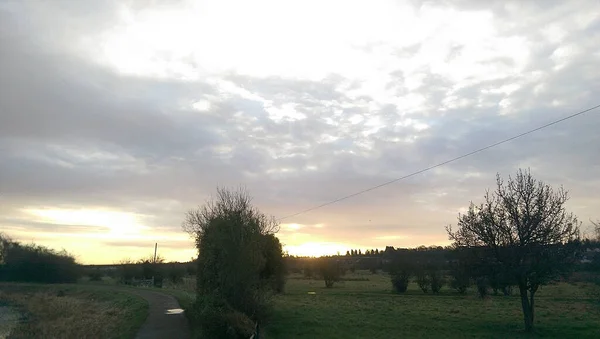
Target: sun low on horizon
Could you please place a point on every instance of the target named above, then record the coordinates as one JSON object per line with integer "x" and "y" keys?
{"x": 116, "y": 118}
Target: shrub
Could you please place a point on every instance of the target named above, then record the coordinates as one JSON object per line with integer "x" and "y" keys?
{"x": 400, "y": 281}
{"x": 274, "y": 268}
{"x": 423, "y": 281}
{"x": 482, "y": 287}
{"x": 95, "y": 275}
{"x": 460, "y": 273}
{"x": 175, "y": 273}
{"x": 330, "y": 271}
{"x": 33, "y": 263}
{"x": 436, "y": 279}
{"x": 239, "y": 263}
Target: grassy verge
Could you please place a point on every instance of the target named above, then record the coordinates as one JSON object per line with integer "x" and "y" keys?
{"x": 359, "y": 308}
{"x": 73, "y": 311}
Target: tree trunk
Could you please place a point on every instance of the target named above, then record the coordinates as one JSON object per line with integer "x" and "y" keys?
{"x": 527, "y": 308}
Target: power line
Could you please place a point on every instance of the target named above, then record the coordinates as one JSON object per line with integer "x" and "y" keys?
{"x": 442, "y": 163}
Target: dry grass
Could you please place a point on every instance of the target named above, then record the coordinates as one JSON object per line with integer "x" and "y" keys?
{"x": 74, "y": 312}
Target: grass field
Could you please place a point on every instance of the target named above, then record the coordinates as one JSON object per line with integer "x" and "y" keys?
{"x": 368, "y": 309}
{"x": 73, "y": 311}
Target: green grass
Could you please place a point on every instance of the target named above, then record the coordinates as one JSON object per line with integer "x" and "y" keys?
{"x": 368, "y": 309}
{"x": 74, "y": 311}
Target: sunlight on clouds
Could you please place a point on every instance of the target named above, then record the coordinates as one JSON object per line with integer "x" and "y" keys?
{"x": 201, "y": 105}
{"x": 119, "y": 223}
{"x": 315, "y": 249}
{"x": 293, "y": 227}
{"x": 391, "y": 237}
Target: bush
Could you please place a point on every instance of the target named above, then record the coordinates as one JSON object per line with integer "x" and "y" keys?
{"x": 33, "y": 263}
{"x": 330, "y": 271}
{"x": 460, "y": 273}
{"x": 95, "y": 274}
{"x": 482, "y": 287}
{"x": 460, "y": 284}
{"x": 239, "y": 263}
{"x": 436, "y": 279}
{"x": 423, "y": 281}
{"x": 400, "y": 281}
{"x": 218, "y": 320}
{"x": 274, "y": 269}
{"x": 175, "y": 273}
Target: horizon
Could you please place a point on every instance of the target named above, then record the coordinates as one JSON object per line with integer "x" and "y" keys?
{"x": 116, "y": 119}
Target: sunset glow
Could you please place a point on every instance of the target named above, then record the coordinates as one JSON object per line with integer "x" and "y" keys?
{"x": 117, "y": 118}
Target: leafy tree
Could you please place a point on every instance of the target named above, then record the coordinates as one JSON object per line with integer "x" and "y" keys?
{"x": 524, "y": 230}
{"x": 236, "y": 259}
{"x": 359, "y": 253}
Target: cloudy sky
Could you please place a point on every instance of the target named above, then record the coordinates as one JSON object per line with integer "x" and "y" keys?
{"x": 118, "y": 116}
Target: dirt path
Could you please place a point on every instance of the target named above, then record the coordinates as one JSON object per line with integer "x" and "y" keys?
{"x": 166, "y": 319}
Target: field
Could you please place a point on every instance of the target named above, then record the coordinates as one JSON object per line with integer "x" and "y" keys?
{"x": 73, "y": 311}
{"x": 361, "y": 306}
{"x": 368, "y": 309}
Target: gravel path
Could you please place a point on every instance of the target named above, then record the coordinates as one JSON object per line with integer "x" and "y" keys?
{"x": 166, "y": 319}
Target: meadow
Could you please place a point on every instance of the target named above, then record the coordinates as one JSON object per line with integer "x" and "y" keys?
{"x": 364, "y": 306}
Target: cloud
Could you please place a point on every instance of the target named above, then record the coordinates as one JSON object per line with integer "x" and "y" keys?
{"x": 146, "y": 109}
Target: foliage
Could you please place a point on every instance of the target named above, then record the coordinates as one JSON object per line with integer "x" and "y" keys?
{"x": 95, "y": 274}
{"x": 482, "y": 284}
{"x": 238, "y": 259}
{"x": 175, "y": 272}
{"x": 437, "y": 280}
{"x": 274, "y": 268}
{"x": 524, "y": 231}
{"x": 423, "y": 280}
{"x": 596, "y": 225}
{"x": 400, "y": 273}
{"x": 34, "y": 263}
{"x": 460, "y": 272}
{"x": 330, "y": 270}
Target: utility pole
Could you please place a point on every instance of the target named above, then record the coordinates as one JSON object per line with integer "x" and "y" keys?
{"x": 155, "y": 247}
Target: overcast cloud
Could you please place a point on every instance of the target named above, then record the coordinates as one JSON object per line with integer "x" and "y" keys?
{"x": 117, "y": 117}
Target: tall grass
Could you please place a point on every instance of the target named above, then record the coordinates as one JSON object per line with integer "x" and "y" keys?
{"x": 74, "y": 312}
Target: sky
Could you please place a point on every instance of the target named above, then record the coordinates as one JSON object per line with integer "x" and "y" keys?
{"x": 116, "y": 117}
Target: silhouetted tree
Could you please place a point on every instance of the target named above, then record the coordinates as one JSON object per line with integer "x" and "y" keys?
{"x": 274, "y": 269}
{"x": 423, "y": 279}
{"x": 400, "y": 271}
{"x": 596, "y": 225}
{"x": 232, "y": 238}
{"x": 330, "y": 270}
{"x": 523, "y": 229}
{"x": 436, "y": 279}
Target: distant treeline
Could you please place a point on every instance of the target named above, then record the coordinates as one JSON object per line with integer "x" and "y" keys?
{"x": 426, "y": 257}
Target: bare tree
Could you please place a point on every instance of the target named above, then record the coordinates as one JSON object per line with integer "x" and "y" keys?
{"x": 596, "y": 229}
{"x": 523, "y": 229}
